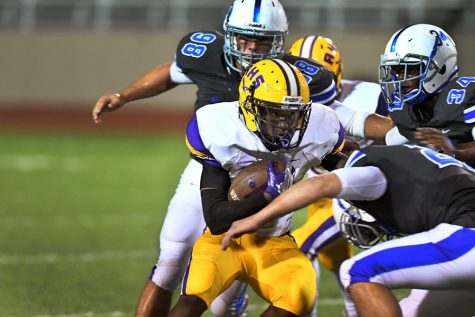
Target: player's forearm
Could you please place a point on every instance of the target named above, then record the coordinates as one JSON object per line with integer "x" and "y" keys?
{"x": 219, "y": 213}
{"x": 376, "y": 127}
{"x": 298, "y": 196}
{"x": 155, "y": 82}
{"x": 465, "y": 152}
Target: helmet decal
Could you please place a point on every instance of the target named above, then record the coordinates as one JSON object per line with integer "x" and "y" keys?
{"x": 257, "y": 11}
{"x": 395, "y": 38}
{"x": 253, "y": 72}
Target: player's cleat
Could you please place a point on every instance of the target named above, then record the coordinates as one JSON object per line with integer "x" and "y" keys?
{"x": 239, "y": 306}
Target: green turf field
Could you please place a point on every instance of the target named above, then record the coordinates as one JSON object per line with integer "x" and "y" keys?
{"x": 80, "y": 216}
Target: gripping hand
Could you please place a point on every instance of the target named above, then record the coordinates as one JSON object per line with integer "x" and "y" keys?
{"x": 275, "y": 177}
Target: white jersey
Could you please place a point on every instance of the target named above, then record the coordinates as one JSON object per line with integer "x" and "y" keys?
{"x": 358, "y": 99}
{"x": 362, "y": 96}
{"x": 222, "y": 135}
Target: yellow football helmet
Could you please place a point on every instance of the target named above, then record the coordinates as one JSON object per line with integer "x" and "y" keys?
{"x": 323, "y": 50}
{"x": 274, "y": 100}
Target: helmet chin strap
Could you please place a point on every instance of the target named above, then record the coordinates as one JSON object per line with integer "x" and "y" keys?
{"x": 284, "y": 142}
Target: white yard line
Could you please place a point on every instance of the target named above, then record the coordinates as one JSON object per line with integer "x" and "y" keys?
{"x": 87, "y": 314}
{"x": 77, "y": 220}
{"x": 34, "y": 162}
{"x": 252, "y": 308}
{"x": 76, "y": 257}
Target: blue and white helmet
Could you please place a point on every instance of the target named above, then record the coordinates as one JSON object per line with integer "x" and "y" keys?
{"x": 421, "y": 52}
{"x": 258, "y": 19}
{"x": 358, "y": 227}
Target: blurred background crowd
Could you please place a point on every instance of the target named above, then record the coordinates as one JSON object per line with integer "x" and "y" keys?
{"x": 66, "y": 53}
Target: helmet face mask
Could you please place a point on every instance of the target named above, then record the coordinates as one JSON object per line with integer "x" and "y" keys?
{"x": 422, "y": 47}
{"x": 278, "y": 123}
{"x": 254, "y": 30}
{"x": 402, "y": 81}
{"x": 274, "y": 100}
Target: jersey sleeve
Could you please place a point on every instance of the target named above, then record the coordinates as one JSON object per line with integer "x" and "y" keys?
{"x": 352, "y": 120}
{"x": 177, "y": 75}
{"x": 196, "y": 146}
{"x": 468, "y": 97}
{"x": 361, "y": 183}
{"x": 340, "y": 143}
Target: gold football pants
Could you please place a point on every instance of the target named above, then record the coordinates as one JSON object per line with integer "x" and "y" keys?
{"x": 319, "y": 236}
{"x": 273, "y": 266}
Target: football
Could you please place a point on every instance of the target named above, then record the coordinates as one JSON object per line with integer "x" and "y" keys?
{"x": 251, "y": 180}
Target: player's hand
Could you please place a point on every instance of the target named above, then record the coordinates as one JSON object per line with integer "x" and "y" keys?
{"x": 238, "y": 228}
{"x": 275, "y": 177}
{"x": 435, "y": 140}
{"x": 109, "y": 102}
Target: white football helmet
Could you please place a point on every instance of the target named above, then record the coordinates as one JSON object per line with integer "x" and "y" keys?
{"x": 423, "y": 53}
{"x": 359, "y": 227}
{"x": 258, "y": 20}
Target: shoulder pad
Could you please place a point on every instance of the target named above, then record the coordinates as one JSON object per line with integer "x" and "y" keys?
{"x": 320, "y": 79}
{"x": 197, "y": 50}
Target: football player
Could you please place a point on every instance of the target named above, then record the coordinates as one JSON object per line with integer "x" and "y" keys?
{"x": 428, "y": 102}
{"x": 274, "y": 118}
{"x": 363, "y": 112}
{"x": 432, "y": 106}
{"x": 253, "y": 30}
{"x": 408, "y": 189}
{"x": 361, "y": 106}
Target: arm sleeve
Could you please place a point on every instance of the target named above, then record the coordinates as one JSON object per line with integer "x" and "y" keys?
{"x": 177, "y": 76}
{"x": 394, "y": 137}
{"x": 353, "y": 121}
{"x": 219, "y": 213}
{"x": 361, "y": 183}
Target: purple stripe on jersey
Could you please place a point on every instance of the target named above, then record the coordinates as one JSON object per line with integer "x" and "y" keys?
{"x": 456, "y": 245}
{"x": 341, "y": 138}
{"x": 307, "y": 245}
{"x": 382, "y": 107}
{"x": 194, "y": 140}
{"x": 185, "y": 277}
{"x": 193, "y": 136}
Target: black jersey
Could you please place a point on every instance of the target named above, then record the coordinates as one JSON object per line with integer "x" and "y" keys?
{"x": 425, "y": 188}
{"x": 454, "y": 113}
{"x": 200, "y": 56}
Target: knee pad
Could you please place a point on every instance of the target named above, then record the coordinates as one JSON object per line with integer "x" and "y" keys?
{"x": 171, "y": 264}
